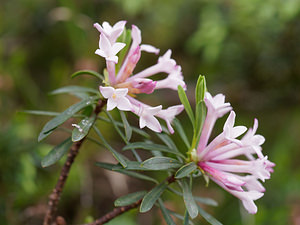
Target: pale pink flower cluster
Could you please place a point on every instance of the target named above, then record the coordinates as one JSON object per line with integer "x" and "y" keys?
{"x": 217, "y": 159}
{"x": 122, "y": 86}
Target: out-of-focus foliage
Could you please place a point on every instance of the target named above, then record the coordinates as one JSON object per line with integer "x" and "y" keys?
{"x": 249, "y": 50}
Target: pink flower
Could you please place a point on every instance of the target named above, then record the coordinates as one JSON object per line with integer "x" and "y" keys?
{"x": 216, "y": 108}
{"x": 217, "y": 159}
{"x": 140, "y": 82}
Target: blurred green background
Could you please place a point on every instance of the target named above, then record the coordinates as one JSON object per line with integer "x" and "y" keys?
{"x": 248, "y": 50}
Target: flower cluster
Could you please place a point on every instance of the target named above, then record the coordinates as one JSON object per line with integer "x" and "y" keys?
{"x": 217, "y": 159}
{"x": 122, "y": 86}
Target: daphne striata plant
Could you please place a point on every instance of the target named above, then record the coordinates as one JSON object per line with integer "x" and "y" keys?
{"x": 118, "y": 89}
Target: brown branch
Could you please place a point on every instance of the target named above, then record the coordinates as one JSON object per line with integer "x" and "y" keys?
{"x": 120, "y": 210}
{"x": 116, "y": 212}
{"x": 56, "y": 193}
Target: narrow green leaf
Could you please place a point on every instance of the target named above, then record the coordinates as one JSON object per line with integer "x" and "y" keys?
{"x": 151, "y": 197}
{"x": 120, "y": 169}
{"x": 114, "y": 123}
{"x": 40, "y": 113}
{"x": 81, "y": 95}
{"x": 117, "y": 156}
{"x": 184, "y": 100}
{"x": 188, "y": 198}
{"x": 65, "y": 115}
{"x": 161, "y": 163}
{"x": 127, "y": 127}
{"x": 200, "y": 89}
{"x": 131, "y": 165}
{"x": 168, "y": 141}
{"x": 186, "y": 218}
{"x": 200, "y": 118}
{"x": 124, "y": 38}
{"x": 151, "y": 147}
{"x": 165, "y": 213}
{"x": 74, "y": 89}
{"x": 130, "y": 198}
{"x": 124, "y": 138}
{"x": 206, "y": 201}
{"x": 83, "y": 128}
{"x": 181, "y": 132}
{"x": 186, "y": 170}
{"x": 88, "y": 72}
{"x": 178, "y": 216}
{"x": 56, "y": 153}
{"x": 209, "y": 218}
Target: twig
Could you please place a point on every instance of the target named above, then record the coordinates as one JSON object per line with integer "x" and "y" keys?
{"x": 116, "y": 212}
{"x": 56, "y": 193}
{"x": 120, "y": 210}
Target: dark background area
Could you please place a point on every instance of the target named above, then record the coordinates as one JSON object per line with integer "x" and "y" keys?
{"x": 248, "y": 50}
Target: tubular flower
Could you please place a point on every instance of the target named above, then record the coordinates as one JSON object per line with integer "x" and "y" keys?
{"x": 122, "y": 85}
{"x": 217, "y": 159}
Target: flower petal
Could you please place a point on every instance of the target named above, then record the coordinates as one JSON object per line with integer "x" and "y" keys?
{"x": 123, "y": 104}
{"x": 107, "y": 92}
{"x": 111, "y": 104}
{"x": 150, "y": 49}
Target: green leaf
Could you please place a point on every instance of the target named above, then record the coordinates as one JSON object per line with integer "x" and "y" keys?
{"x": 89, "y": 72}
{"x": 114, "y": 123}
{"x": 124, "y": 138}
{"x": 120, "y": 169}
{"x": 131, "y": 165}
{"x": 81, "y": 95}
{"x": 127, "y": 127}
{"x": 184, "y": 100}
{"x": 188, "y": 198}
{"x": 200, "y": 89}
{"x": 56, "y": 153}
{"x": 40, "y": 113}
{"x": 200, "y": 118}
{"x": 161, "y": 163}
{"x": 181, "y": 132}
{"x": 151, "y": 147}
{"x": 206, "y": 201}
{"x": 130, "y": 198}
{"x": 151, "y": 197}
{"x": 124, "y": 38}
{"x": 74, "y": 90}
{"x": 209, "y": 218}
{"x": 179, "y": 216}
{"x": 65, "y": 115}
{"x": 168, "y": 141}
{"x": 186, "y": 170}
{"x": 117, "y": 156}
{"x": 165, "y": 213}
{"x": 83, "y": 128}
{"x": 186, "y": 218}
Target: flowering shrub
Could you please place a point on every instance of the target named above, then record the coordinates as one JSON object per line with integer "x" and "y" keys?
{"x": 235, "y": 164}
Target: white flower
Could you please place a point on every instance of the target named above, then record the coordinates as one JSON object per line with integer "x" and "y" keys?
{"x": 116, "y": 98}
{"x": 112, "y": 33}
{"x": 147, "y": 117}
{"x": 108, "y": 50}
{"x": 169, "y": 114}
